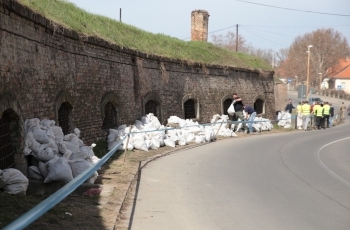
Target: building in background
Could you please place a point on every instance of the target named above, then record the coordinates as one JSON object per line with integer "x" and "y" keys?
{"x": 340, "y": 79}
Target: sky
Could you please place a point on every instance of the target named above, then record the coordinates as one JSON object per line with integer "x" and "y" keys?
{"x": 263, "y": 24}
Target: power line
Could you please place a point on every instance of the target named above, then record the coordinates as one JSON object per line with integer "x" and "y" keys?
{"x": 307, "y": 11}
{"x": 293, "y": 27}
{"x": 263, "y": 37}
{"x": 285, "y": 27}
{"x": 266, "y": 31}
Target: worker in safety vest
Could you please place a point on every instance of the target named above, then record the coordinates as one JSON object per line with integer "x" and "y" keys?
{"x": 314, "y": 107}
{"x": 326, "y": 112}
{"x": 299, "y": 117}
{"x": 305, "y": 111}
{"x": 318, "y": 111}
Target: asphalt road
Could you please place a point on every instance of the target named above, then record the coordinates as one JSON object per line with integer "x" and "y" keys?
{"x": 295, "y": 180}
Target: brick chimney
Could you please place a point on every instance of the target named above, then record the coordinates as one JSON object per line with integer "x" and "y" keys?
{"x": 199, "y": 25}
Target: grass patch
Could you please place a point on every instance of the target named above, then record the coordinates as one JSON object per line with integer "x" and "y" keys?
{"x": 71, "y": 17}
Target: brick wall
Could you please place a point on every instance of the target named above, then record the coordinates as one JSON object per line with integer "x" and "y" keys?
{"x": 43, "y": 65}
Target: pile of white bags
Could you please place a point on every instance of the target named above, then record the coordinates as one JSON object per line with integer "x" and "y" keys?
{"x": 13, "y": 181}
{"x": 284, "y": 119}
{"x": 262, "y": 124}
{"x": 150, "y": 134}
{"x": 60, "y": 157}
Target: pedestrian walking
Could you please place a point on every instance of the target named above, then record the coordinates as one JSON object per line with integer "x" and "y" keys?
{"x": 250, "y": 114}
{"x": 306, "y": 110}
{"x": 342, "y": 111}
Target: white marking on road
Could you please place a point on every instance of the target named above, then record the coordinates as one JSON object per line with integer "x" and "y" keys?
{"x": 320, "y": 162}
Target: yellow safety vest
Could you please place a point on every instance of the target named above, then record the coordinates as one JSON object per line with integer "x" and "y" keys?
{"x": 326, "y": 109}
{"x": 305, "y": 108}
{"x": 299, "y": 108}
{"x": 315, "y": 107}
{"x": 319, "y": 111}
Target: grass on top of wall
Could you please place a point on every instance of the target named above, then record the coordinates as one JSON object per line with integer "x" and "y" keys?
{"x": 71, "y": 17}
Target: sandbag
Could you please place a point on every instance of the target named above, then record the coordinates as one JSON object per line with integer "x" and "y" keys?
{"x": 190, "y": 138}
{"x": 72, "y": 142}
{"x": 58, "y": 170}
{"x": 63, "y": 149}
{"x": 44, "y": 155}
{"x": 13, "y": 181}
{"x": 43, "y": 169}
{"x": 169, "y": 142}
{"x": 141, "y": 145}
{"x": 155, "y": 143}
{"x": 78, "y": 166}
{"x": 34, "y": 173}
{"x": 93, "y": 160}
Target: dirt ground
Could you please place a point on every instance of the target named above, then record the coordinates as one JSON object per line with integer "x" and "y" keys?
{"x": 105, "y": 211}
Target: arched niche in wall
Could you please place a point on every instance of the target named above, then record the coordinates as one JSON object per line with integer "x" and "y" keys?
{"x": 190, "y": 107}
{"x": 259, "y": 104}
{"x": 11, "y": 134}
{"x": 109, "y": 111}
{"x": 152, "y": 103}
{"x": 9, "y": 100}
{"x": 64, "y": 112}
{"x": 10, "y": 144}
{"x": 226, "y": 101}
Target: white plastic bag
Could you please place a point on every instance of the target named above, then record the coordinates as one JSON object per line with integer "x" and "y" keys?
{"x": 169, "y": 142}
{"x": 13, "y": 181}
{"x": 43, "y": 169}
{"x": 58, "y": 170}
{"x": 34, "y": 173}
{"x": 231, "y": 109}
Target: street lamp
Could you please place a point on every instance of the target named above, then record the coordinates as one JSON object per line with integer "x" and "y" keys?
{"x": 320, "y": 80}
{"x": 308, "y": 72}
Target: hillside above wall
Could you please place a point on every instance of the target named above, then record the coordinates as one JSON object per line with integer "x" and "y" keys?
{"x": 70, "y": 17}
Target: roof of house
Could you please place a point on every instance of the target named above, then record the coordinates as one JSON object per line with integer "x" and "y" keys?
{"x": 344, "y": 72}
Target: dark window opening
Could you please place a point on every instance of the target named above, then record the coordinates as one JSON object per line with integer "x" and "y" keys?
{"x": 151, "y": 107}
{"x": 190, "y": 111}
{"x": 7, "y": 151}
{"x": 110, "y": 119}
{"x": 227, "y": 104}
{"x": 63, "y": 117}
{"x": 259, "y": 106}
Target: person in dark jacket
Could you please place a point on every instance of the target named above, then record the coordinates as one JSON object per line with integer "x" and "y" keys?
{"x": 238, "y": 104}
{"x": 289, "y": 106}
{"x": 249, "y": 116}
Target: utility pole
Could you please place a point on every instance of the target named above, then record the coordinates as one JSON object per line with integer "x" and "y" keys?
{"x": 237, "y": 38}
{"x": 308, "y": 71}
{"x": 120, "y": 14}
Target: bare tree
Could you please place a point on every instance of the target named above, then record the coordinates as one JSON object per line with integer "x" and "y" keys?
{"x": 328, "y": 48}
{"x": 228, "y": 41}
